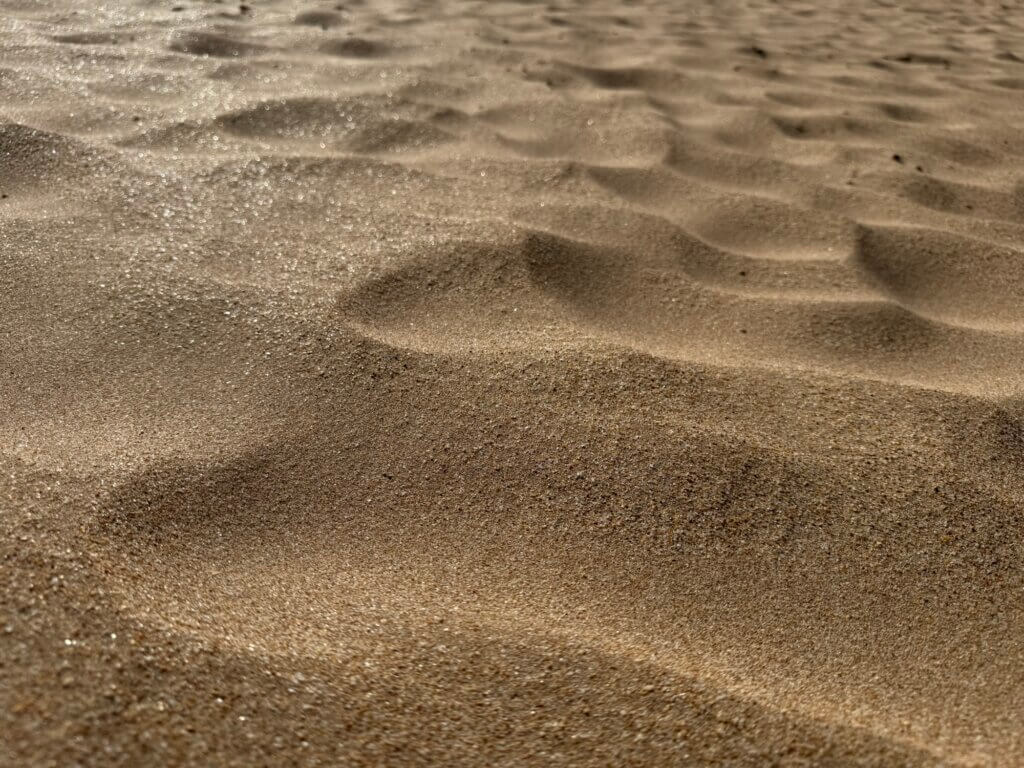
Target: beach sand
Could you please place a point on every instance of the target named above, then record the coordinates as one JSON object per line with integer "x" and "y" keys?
{"x": 511, "y": 383}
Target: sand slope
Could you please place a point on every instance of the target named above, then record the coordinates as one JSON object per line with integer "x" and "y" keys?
{"x": 475, "y": 383}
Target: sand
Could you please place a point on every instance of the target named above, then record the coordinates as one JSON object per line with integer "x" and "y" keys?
{"x": 511, "y": 383}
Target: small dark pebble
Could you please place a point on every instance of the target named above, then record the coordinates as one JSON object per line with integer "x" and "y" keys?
{"x": 136, "y": 118}
{"x": 743, "y": 273}
{"x": 897, "y": 158}
{"x": 178, "y": 8}
{"x": 243, "y": 8}
{"x": 758, "y": 51}
{"x": 919, "y": 169}
{"x": 743, "y": 330}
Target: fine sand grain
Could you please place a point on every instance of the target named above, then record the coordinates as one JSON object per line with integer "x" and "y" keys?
{"x": 446, "y": 382}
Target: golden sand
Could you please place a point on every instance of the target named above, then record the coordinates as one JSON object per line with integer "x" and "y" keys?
{"x": 511, "y": 383}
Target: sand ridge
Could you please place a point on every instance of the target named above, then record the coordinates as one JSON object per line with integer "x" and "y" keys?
{"x": 458, "y": 382}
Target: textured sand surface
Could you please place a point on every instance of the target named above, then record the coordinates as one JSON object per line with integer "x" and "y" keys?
{"x": 511, "y": 383}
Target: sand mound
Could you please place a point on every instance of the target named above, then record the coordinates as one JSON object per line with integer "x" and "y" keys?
{"x": 963, "y": 279}
{"x": 583, "y": 383}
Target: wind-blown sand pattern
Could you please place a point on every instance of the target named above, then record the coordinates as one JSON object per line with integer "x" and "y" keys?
{"x": 511, "y": 383}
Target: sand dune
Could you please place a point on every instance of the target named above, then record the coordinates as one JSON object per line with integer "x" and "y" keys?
{"x": 508, "y": 383}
